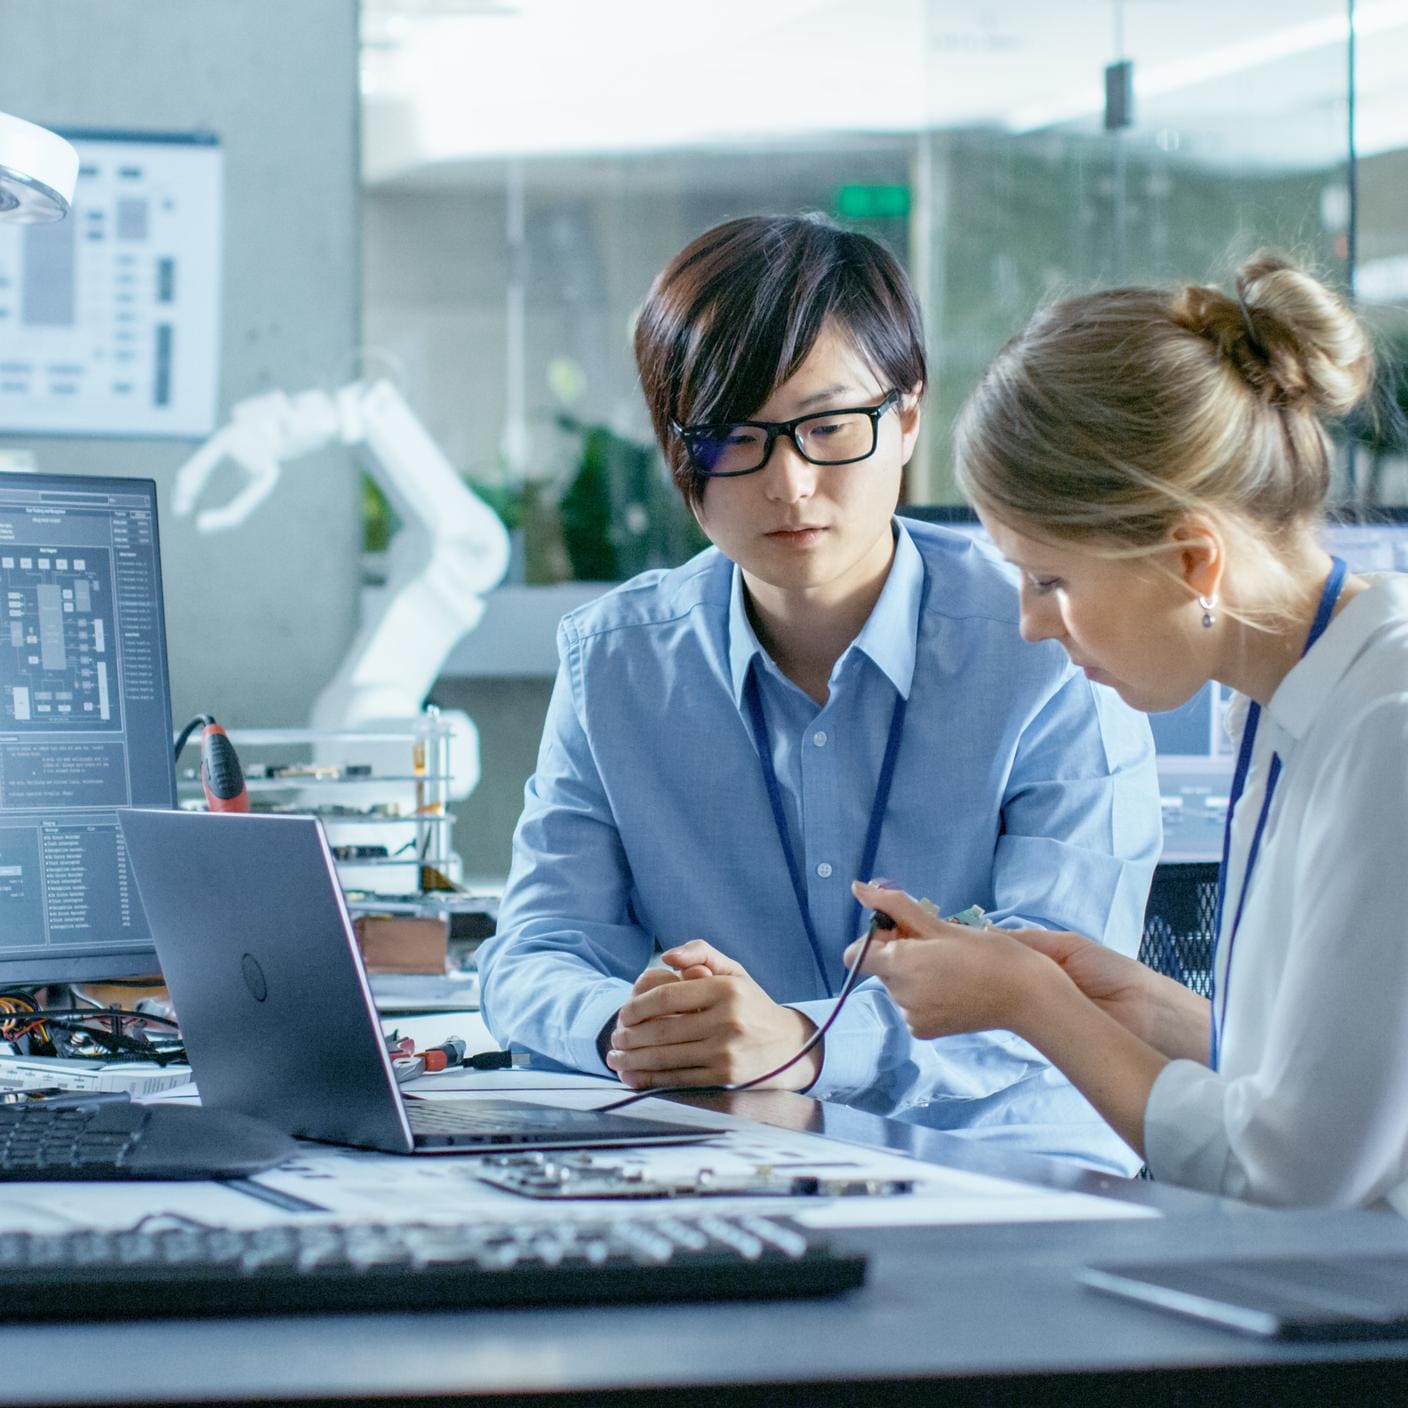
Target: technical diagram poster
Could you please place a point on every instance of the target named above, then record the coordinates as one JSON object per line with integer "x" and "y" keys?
{"x": 110, "y": 319}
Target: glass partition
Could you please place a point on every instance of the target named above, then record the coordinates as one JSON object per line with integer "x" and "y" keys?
{"x": 527, "y": 177}
{"x": 531, "y": 164}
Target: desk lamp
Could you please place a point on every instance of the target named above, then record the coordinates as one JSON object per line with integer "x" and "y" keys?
{"x": 38, "y": 170}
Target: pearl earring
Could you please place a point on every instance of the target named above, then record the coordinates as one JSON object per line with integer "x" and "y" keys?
{"x": 1208, "y": 603}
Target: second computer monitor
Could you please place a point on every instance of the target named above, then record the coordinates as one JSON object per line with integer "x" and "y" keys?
{"x": 85, "y": 722}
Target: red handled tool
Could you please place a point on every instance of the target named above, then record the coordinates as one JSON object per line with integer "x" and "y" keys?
{"x": 221, "y": 777}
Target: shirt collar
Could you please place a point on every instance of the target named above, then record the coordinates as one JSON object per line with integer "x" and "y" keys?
{"x": 1302, "y": 694}
{"x": 888, "y": 638}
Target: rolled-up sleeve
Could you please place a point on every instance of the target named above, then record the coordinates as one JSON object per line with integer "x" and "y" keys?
{"x": 1081, "y": 826}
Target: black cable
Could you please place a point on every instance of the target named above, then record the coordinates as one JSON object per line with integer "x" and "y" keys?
{"x": 200, "y": 721}
{"x": 119, "y": 1042}
{"x": 133, "y": 983}
{"x": 878, "y": 921}
{"x": 71, "y": 1022}
{"x": 43, "y": 1014}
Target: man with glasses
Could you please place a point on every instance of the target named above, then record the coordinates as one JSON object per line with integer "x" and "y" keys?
{"x": 828, "y": 692}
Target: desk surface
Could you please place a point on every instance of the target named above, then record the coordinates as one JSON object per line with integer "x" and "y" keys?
{"x": 969, "y": 1314}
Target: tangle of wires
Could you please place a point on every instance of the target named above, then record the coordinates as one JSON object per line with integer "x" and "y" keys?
{"x": 84, "y": 1030}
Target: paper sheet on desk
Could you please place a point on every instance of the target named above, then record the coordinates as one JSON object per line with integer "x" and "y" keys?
{"x": 358, "y": 1185}
{"x": 942, "y": 1195}
{"x": 441, "y": 1189}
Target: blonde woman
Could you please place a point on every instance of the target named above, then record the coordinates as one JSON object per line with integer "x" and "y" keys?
{"x": 1154, "y": 465}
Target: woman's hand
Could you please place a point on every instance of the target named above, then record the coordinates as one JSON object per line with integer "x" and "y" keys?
{"x": 949, "y": 978}
{"x": 1082, "y": 1006}
{"x": 1116, "y": 984}
{"x": 1155, "y": 1008}
{"x": 1152, "y": 1007}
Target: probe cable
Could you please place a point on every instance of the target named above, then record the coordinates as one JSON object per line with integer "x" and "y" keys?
{"x": 15, "y": 1006}
{"x": 878, "y": 921}
{"x": 74, "y": 1021}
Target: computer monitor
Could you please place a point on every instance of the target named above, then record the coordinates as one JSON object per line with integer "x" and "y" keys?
{"x": 1195, "y": 755}
{"x": 85, "y": 722}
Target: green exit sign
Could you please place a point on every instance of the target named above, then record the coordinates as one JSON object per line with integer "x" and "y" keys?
{"x": 866, "y": 202}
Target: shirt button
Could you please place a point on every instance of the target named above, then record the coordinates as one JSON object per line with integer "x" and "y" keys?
{"x": 819, "y": 738}
{"x": 823, "y": 870}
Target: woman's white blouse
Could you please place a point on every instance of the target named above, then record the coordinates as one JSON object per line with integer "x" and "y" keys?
{"x": 1310, "y": 1105}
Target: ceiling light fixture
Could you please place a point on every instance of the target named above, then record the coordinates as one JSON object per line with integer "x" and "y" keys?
{"x": 38, "y": 170}
{"x": 1207, "y": 65}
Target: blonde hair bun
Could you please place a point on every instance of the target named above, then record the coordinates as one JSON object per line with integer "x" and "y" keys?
{"x": 1116, "y": 413}
{"x": 1292, "y": 340}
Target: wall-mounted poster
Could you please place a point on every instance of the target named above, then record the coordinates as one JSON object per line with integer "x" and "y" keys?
{"x": 110, "y": 319}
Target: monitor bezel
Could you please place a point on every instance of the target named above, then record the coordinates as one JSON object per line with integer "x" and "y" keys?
{"x": 35, "y": 969}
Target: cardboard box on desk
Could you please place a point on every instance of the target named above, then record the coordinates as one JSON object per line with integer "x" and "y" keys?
{"x": 403, "y": 943}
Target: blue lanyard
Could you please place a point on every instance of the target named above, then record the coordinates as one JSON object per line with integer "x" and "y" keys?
{"x": 1328, "y": 598}
{"x": 761, "y": 738}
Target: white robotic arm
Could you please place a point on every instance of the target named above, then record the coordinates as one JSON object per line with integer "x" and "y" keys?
{"x": 451, "y": 548}
{"x": 263, "y": 432}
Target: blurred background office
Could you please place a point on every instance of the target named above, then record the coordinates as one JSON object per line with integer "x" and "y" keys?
{"x": 469, "y": 197}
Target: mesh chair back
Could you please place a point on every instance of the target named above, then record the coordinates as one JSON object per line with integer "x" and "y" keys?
{"x": 1178, "y": 923}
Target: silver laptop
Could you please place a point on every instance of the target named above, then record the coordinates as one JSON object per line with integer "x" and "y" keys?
{"x": 276, "y": 1013}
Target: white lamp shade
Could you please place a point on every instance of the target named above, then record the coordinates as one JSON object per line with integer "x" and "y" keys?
{"x": 38, "y": 170}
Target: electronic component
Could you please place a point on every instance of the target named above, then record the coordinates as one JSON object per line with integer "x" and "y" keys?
{"x": 975, "y": 917}
{"x": 449, "y": 1053}
{"x": 322, "y": 1267}
{"x": 536, "y": 1175}
{"x": 322, "y": 772}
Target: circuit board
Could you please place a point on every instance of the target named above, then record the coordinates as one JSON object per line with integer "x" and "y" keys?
{"x": 542, "y": 1175}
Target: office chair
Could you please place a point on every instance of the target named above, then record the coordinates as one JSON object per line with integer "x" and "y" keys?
{"x": 1178, "y": 923}
{"x": 1178, "y": 928}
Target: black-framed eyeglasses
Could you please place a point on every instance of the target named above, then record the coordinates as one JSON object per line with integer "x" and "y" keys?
{"x": 845, "y": 436}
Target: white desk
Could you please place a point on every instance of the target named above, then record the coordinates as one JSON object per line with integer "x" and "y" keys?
{"x": 965, "y": 1315}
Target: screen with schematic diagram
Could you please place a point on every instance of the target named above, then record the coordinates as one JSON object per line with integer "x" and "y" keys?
{"x": 85, "y": 722}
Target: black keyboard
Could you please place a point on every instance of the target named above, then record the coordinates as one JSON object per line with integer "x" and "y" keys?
{"x": 122, "y": 1140}
{"x": 370, "y": 1266}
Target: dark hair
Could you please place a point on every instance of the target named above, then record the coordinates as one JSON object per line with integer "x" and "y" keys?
{"x": 736, "y": 312}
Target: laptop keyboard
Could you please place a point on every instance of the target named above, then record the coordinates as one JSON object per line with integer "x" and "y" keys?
{"x": 513, "y": 1122}
{"x": 190, "y": 1270}
{"x": 483, "y": 1116}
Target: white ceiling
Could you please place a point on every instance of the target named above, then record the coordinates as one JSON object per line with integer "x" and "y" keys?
{"x": 451, "y": 83}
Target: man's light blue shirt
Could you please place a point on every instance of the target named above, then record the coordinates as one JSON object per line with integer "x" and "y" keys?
{"x": 1019, "y": 786}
